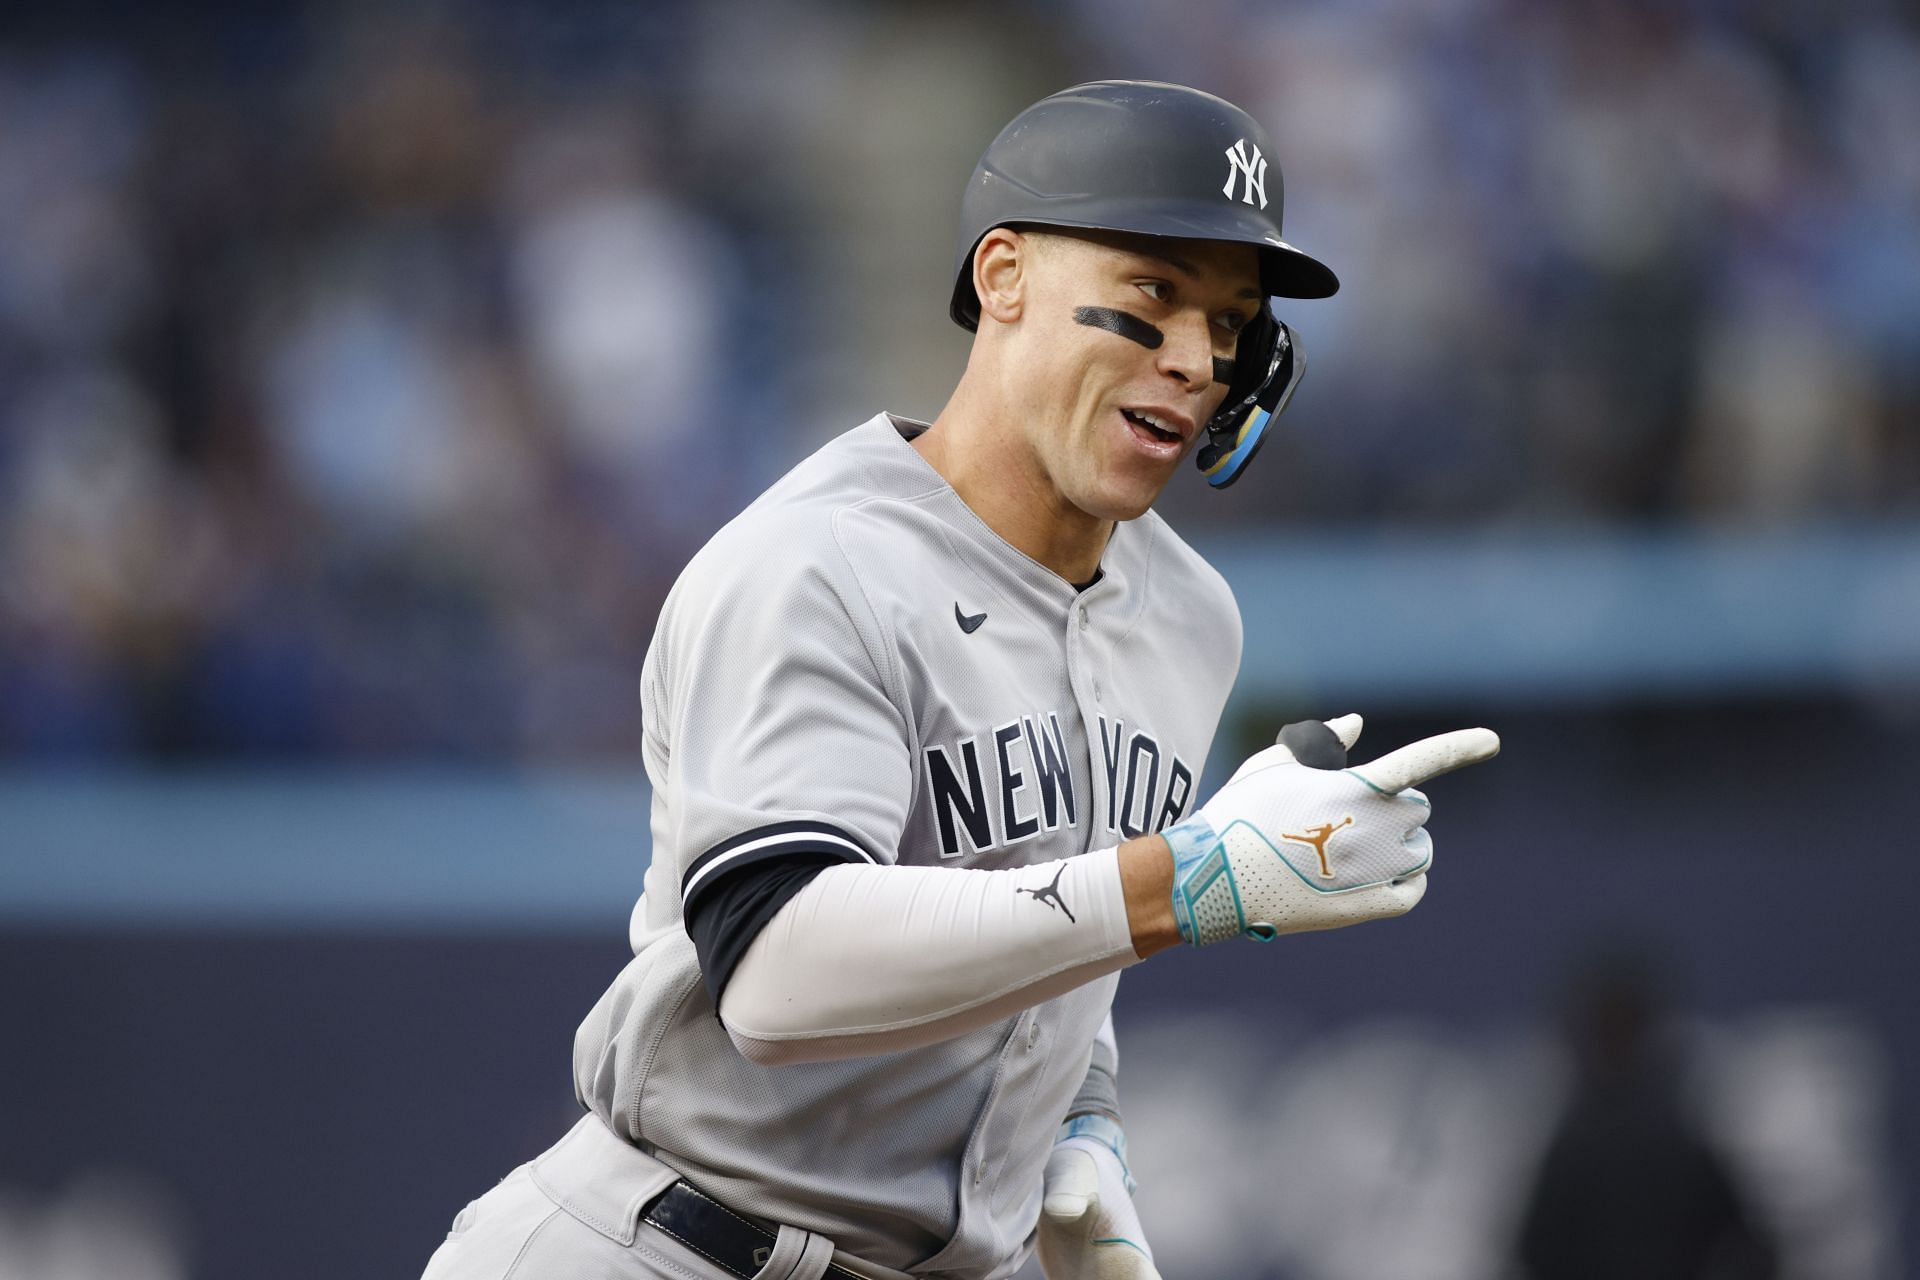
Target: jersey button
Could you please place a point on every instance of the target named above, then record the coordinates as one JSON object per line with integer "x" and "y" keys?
{"x": 1083, "y": 617}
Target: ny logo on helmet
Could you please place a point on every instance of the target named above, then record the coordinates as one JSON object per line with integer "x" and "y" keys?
{"x": 1253, "y": 168}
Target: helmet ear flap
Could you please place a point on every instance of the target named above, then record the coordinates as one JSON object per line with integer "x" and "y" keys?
{"x": 1267, "y": 371}
{"x": 1253, "y": 358}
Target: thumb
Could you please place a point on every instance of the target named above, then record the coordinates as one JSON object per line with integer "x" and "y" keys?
{"x": 1072, "y": 1186}
{"x": 1347, "y": 729}
{"x": 1317, "y": 744}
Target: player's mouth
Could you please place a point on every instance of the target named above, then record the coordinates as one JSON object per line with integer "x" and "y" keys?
{"x": 1159, "y": 432}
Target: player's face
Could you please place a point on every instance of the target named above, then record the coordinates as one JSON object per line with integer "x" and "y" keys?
{"x": 1128, "y": 343}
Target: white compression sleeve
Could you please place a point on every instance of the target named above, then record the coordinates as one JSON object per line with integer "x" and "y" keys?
{"x": 870, "y": 959}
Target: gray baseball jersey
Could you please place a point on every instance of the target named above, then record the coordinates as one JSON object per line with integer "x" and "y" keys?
{"x": 858, "y": 668}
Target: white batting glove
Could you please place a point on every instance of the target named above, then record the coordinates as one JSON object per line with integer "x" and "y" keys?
{"x": 1287, "y": 848}
{"x": 1088, "y": 1227}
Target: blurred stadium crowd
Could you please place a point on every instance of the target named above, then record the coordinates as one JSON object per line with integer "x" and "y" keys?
{"x": 366, "y": 374}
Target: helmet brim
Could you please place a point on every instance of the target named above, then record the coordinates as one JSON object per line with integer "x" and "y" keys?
{"x": 1285, "y": 272}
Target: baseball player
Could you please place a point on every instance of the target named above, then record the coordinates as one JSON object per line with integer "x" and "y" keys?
{"x": 924, "y": 726}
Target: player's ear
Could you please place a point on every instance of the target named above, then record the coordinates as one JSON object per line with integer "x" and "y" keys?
{"x": 1002, "y": 263}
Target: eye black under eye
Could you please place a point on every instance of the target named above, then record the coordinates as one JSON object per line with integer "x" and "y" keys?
{"x": 1125, "y": 324}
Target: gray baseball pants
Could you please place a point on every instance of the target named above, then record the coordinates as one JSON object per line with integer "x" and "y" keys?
{"x": 575, "y": 1213}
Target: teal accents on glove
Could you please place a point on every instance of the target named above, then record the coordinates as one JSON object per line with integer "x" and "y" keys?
{"x": 1206, "y": 901}
{"x": 1287, "y": 846}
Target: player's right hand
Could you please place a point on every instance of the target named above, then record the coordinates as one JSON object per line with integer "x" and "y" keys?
{"x": 1089, "y": 1228}
{"x": 1288, "y": 848}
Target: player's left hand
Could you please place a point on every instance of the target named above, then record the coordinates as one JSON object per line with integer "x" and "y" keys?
{"x": 1088, "y": 1227}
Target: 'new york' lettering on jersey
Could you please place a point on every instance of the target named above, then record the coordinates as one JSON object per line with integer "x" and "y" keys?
{"x": 1131, "y": 762}
{"x": 814, "y": 689}
{"x": 1028, "y": 772}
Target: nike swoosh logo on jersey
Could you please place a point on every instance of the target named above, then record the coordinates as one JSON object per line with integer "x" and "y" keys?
{"x": 969, "y": 622}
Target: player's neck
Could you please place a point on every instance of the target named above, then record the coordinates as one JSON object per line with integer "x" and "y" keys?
{"x": 988, "y": 463}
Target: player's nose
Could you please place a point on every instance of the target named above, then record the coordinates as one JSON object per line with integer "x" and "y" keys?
{"x": 1187, "y": 353}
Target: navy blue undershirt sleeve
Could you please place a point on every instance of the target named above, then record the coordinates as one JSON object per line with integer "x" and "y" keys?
{"x": 726, "y": 916}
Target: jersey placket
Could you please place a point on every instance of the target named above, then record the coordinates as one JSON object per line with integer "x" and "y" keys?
{"x": 1027, "y": 1052}
{"x": 1083, "y": 677}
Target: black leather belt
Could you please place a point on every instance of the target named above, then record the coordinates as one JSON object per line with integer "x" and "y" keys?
{"x": 737, "y": 1245}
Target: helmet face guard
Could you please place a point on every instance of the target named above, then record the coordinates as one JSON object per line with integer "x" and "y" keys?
{"x": 1160, "y": 160}
{"x": 1270, "y": 367}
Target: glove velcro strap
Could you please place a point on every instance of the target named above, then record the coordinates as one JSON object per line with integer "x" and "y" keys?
{"x": 1107, "y": 1132}
{"x": 1206, "y": 902}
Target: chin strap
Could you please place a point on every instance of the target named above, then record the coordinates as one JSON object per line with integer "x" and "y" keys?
{"x": 1271, "y": 365}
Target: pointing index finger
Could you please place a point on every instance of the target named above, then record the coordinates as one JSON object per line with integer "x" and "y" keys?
{"x": 1428, "y": 758}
